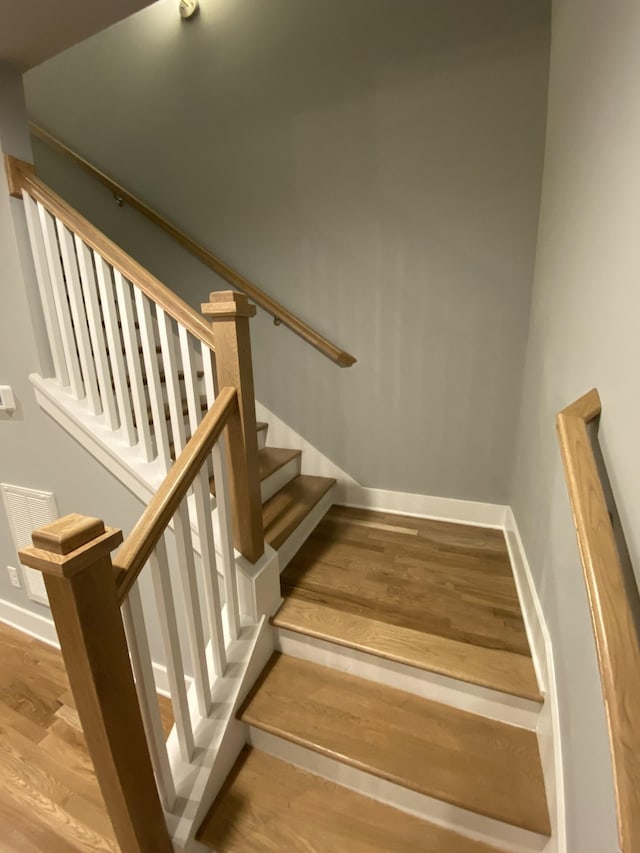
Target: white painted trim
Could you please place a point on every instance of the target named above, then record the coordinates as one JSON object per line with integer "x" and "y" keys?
{"x": 484, "y": 829}
{"x": 141, "y": 478}
{"x": 313, "y": 461}
{"x": 43, "y": 628}
{"x": 276, "y": 481}
{"x": 351, "y": 493}
{"x": 483, "y": 701}
{"x": 549, "y": 733}
{"x": 36, "y": 626}
{"x": 473, "y": 513}
{"x": 292, "y": 545}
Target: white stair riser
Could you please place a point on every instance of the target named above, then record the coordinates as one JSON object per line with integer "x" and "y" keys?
{"x": 493, "y": 704}
{"x": 276, "y": 481}
{"x": 289, "y": 548}
{"x": 501, "y": 835}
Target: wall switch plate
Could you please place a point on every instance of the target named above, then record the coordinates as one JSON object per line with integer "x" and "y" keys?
{"x": 7, "y": 400}
{"x": 14, "y": 577}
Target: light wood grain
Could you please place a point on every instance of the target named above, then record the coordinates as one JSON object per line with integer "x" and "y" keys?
{"x": 494, "y": 668}
{"x": 91, "y": 634}
{"x": 144, "y": 537}
{"x": 270, "y": 305}
{"x": 282, "y": 513}
{"x": 473, "y": 762}
{"x": 270, "y": 460}
{"x": 16, "y": 171}
{"x": 50, "y": 801}
{"x": 270, "y": 805}
{"x": 613, "y": 600}
{"x": 434, "y": 577}
{"x": 230, "y": 313}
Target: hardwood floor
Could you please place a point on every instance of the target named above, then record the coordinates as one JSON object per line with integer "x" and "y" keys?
{"x": 50, "y": 801}
{"x": 431, "y": 594}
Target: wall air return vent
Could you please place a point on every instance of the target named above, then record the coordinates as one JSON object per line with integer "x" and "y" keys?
{"x": 26, "y": 510}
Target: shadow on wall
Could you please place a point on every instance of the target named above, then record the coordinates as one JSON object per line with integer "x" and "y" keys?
{"x": 374, "y": 166}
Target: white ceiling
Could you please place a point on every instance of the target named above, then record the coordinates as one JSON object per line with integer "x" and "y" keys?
{"x": 32, "y": 31}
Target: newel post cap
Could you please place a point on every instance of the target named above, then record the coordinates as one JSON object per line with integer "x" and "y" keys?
{"x": 70, "y": 544}
{"x": 224, "y": 304}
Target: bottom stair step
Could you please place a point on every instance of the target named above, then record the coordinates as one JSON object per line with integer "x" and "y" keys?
{"x": 478, "y": 764}
{"x": 268, "y": 804}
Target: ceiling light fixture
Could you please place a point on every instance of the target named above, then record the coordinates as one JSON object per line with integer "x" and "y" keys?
{"x": 188, "y": 8}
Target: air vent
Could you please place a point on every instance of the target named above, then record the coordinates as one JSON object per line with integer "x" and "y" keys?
{"x": 28, "y": 509}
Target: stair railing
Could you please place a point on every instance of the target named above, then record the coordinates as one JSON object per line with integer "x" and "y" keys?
{"x": 137, "y": 357}
{"x": 106, "y": 649}
{"x": 123, "y": 347}
{"x": 280, "y": 314}
{"x": 614, "y": 603}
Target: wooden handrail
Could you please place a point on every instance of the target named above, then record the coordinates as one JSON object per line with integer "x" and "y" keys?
{"x": 20, "y": 178}
{"x": 612, "y": 610}
{"x": 140, "y": 543}
{"x": 275, "y": 309}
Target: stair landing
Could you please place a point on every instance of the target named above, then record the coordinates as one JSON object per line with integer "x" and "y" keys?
{"x": 431, "y": 594}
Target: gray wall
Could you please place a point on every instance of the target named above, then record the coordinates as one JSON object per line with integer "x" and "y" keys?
{"x": 374, "y": 165}
{"x": 584, "y": 332}
{"x": 34, "y": 451}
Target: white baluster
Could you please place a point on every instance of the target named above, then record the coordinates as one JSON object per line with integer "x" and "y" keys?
{"x": 172, "y": 383}
{"x": 46, "y": 290}
{"x": 78, "y": 313}
{"x": 149, "y": 344}
{"x": 210, "y": 572}
{"x": 210, "y": 383}
{"x": 193, "y": 614}
{"x": 221, "y": 479}
{"x": 165, "y": 605}
{"x": 225, "y": 539}
{"x": 116, "y": 357}
{"x": 190, "y": 378}
{"x": 52, "y": 251}
{"x": 96, "y": 333}
{"x": 136, "y": 630}
{"x": 134, "y": 371}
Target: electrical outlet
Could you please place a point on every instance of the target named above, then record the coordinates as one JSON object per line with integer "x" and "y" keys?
{"x": 14, "y": 577}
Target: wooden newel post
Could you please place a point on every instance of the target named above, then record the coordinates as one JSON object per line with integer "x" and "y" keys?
{"x": 229, "y": 313}
{"x": 74, "y": 555}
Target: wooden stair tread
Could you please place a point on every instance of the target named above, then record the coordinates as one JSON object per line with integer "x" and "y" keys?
{"x": 269, "y": 804}
{"x": 270, "y": 460}
{"x": 260, "y": 425}
{"x": 485, "y": 766}
{"x": 282, "y": 513}
{"x": 493, "y": 668}
{"x": 436, "y": 577}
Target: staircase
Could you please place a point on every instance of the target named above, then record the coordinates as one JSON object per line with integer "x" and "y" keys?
{"x": 380, "y": 694}
{"x": 389, "y": 702}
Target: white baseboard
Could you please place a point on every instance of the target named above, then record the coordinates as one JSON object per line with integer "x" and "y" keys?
{"x": 549, "y": 737}
{"x": 39, "y": 627}
{"x": 351, "y": 493}
{"x": 43, "y": 628}
{"x": 473, "y": 513}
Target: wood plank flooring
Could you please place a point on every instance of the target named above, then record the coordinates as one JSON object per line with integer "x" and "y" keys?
{"x": 433, "y": 594}
{"x": 50, "y": 801}
{"x": 464, "y": 759}
{"x": 321, "y": 816}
